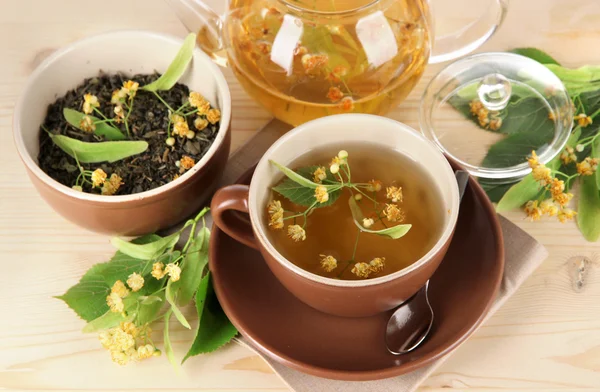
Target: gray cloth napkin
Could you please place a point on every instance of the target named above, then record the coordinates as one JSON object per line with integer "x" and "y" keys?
{"x": 523, "y": 255}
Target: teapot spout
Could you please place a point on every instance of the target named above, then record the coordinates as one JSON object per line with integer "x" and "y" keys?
{"x": 198, "y": 18}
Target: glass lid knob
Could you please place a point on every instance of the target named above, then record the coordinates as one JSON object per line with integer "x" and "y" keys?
{"x": 494, "y": 91}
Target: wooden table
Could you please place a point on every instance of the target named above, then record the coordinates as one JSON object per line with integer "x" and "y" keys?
{"x": 546, "y": 338}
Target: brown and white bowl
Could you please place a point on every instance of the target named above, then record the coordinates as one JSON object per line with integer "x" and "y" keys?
{"x": 129, "y": 52}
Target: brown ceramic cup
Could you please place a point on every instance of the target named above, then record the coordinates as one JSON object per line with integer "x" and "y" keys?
{"x": 128, "y": 52}
{"x": 334, "y": 296}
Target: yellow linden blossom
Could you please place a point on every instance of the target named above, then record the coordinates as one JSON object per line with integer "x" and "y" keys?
{"x": 568, "y": 155}
{"x": 377, "y": 264}
{"x": 199, "y": 102}
{"x": 186, "y": 163}
{"x": 393, "y": 213}
{"x": 346, "y": 104}
{"x": 275, "y": 215}
{"x": 98, "y": 177}
{"x": 296, "y": 233}
{"x": 145, "y": 351}
{"x": 119, "y": 113}
{"x": 89, "y": 103}
{"x": 542, "y": 174}
{"x": 328, "y": 263}
{"x": 533, "y": 160}
{"x": 158, "y": 271}
{"x": 111, "y": 186}
{"x": 563, "y": 199}
{"x": 115, "y": 303}
{"x": 319, "y": 175}
{"x": 557, "y": 187}
{"x": 87, "y": 124}
{"x": 135, "y": 281}
{"x": 583, "y": 120}
{"x": 200, "y": 123}
{"x": 321, "y": 194}
{"x": 362, "y": 270}
{"x": 335, "y": 94}
{"x": 368, "y": 222}
{"x": 131, "y": 87}
{"x": 313, "y": 63}
{"x": 119, "y": 289}
{"x": 130, "y": 328}
{"x": 374, "y": 186}
{"x": 476, "y": 107}
{"x": 533, "y": 211}
{"x": 495, "y": 123}
{"x": 118, "y": 96}
{"x": 213, "y": 116}
{"x": 587, "y": 167}
{"x": 181, "y": 128}
{"x": 394, "y": 194}
{"x": 566, "y": 214}
{"x": 173, "y": 271}
{"x": 549, "y": 208}
{"x": 120, "y": 357}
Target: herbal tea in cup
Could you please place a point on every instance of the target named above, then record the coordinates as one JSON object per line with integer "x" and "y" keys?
{"x": 352, "y": 213}
{"x": 360, "y": 213}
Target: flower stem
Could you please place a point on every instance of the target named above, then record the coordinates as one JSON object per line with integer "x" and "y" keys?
{"x": 363, "y": 193}
{"x": 164, "y": 103}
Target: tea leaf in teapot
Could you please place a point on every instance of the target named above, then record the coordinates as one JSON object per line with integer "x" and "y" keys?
{"x": 176, "y": 68}
{"x": 588, "y": 214}
{"x": 394, "y": 232}
{"x": 305, "y": 196}
{"x": 74, "y": 118}
{"x": 214, "y": 328}
{"x": 318, "y": 39}
{"x": 146, "y": 251}
{"x": 536, "y": 54}
{"x": 99, "y": 152}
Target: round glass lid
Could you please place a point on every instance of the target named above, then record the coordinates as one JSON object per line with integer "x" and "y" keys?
{"x": 490, "y": 111}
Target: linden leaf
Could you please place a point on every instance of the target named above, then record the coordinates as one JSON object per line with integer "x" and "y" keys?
{"x": 588, "y": 214}
{"x": 536, "y": 54}
{"x": 74, "y": 118}
{"x": 87, "y": 152}
{"x": 192, "y": 268}
{"x": 297, "y": 178}
{"x": 149, "y": 308}
{"x": 170, "y": 296}
{"x": 146, "y": 251}
{"x": 111, "y": 319}
{"x": 167, "y": 341}
{"x": 394, "y": 232}
{"x": 304, "y": 196}
{"x": 214, "y": 328}
{"x": 177, "y": 66}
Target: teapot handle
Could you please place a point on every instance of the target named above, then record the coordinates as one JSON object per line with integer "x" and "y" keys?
{"x": 470, "y": 37}
{"x": 199, "y": 18}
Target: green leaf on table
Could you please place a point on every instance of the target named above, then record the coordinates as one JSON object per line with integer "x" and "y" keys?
{"x": 192, "y": 269}
{"x": 536, "y": 54}
{"x": 393, "y": 232}
{"x": 146, "y": 251}
{"x": 214, "y": 328}
{"x": 170, "y": 296}
{"x": 88, "y": 297}
{"x": 149, "y": 310}
{"x": 110, "y": 319}
{"x": 177, "y": 66}
{"x": 588, "y": 214}
{"x": 305, "y": 196}
{"x": 167, "y": 341}
{"x": 577, "y": 81}
{"x": 74, "y": 118}
{"x": 87, "y": 152}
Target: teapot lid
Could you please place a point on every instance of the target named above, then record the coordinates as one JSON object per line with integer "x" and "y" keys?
{"x": 490, "y": 111}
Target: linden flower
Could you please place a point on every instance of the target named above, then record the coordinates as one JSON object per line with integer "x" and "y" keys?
{"x": 199, "y": 102}
{"x": 566, "y": 214}
{"x": 213, "y": 116}
{"x": 321, "y": 194}
{"x": 563, "y": 199}
{"x": 173, "y": 271}
{"x": 533, "y": 160}
{"x": 181, "y": 128}
{"x": 334, "y": 168}
{"x": 111, "y": 186}
{"x": 346, "y": 104}
{"x": 374, "y": 186}
{"x": 312, "y": 63}
{"x": 337, "y": 74}
{"x": 130, "y": 328}
{"x": 200, "y": 123}
{"x": 186, "y": 163}
{"x": 335, "y": 94}
{"x": 158, "y": 271}
{"x": 542, "y": 174}
{"x": 495, "y": 123}
{"x": 394, "y": 194}
{"x": 118, "y": 96}
{"x": 568, "y": 155}
{"x": 296, "y": 233}
{"x": 328, "y": 263}
{"x": 319, "y": 175}
{"x": 89, "y": 103}
{"x": 146, "y": 351}
{"x": 98, "y": 177}
{"x": 583, "y": 120}
{"x": 549, "y": 208}
{"x": 476, "y": 108}
{"x": 377, "y": 264}
{"x": 362, "y": 270}
{"x": 393, "y": 213}
{"x": 275, "y": 214}
{"x": 135, "y": 281}
{"x": 130, "y": 87}
{"x": 87, "y": 124}
{"x": 119, "y": 113}
{"x": 115, "y": 303}
{"x": 119, "y": 289}
{"x": 552, "y": 116}
{"x": 368, "y": 222}
{"x": 557, "y": 187}
{"x": 533, "y": 211}
{"x": 587, "y": 167}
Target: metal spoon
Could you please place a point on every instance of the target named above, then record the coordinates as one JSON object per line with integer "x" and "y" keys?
{"x": 411, "y": 323}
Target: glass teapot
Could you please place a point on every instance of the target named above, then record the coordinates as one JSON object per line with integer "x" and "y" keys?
{"x": 305, "y": 59}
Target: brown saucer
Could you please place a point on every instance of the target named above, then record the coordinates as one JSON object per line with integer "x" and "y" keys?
{"x": 296, "y": 335}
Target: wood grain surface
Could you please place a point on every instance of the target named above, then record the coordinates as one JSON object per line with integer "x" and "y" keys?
{"x": 546, "y": 338}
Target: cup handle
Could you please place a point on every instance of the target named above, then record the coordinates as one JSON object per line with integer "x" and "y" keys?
{"x": 233, "y": 198}
{"x": 470, "y": 37}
